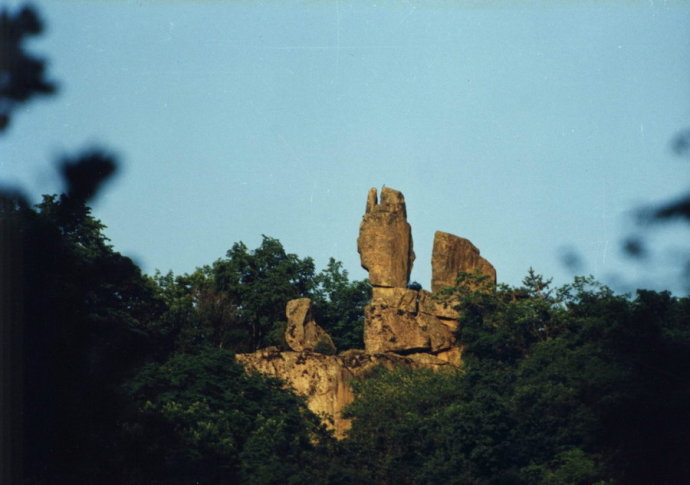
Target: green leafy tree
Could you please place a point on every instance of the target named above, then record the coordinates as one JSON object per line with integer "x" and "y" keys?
{"x": 415, "y": 427}
{"x": 575, "y": 385}
{"x": 197, "y": 315}
{"x": 200, "y": 418}
{"x": 339, "y": 305}
{"x": 239, "y": 301}
{"x": 260, "y": 282}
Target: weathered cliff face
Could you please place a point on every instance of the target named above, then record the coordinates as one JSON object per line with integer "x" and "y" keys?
{"x": 394, "y": 321}
{"x": 402, "y": 327}
{"x": 324, "y": 380}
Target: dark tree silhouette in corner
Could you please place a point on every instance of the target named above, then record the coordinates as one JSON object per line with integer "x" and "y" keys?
{"x": 22, "y": 75}
{"x": 70, "y": 306}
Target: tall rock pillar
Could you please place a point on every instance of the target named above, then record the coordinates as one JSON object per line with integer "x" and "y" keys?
{"x": 392, "y": 320}
{"x": 385, "y": 240}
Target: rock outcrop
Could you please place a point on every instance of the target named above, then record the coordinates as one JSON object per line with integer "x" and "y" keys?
{"x": 452, "y": 255}
{"x": 397, "y": 325}
{"x": 402, "y": 327}
{"x": 400, "y": 319}
{"x": 385, "y": 240}
{"x": 302, "y": 332}
{"x": 325, "y": 379}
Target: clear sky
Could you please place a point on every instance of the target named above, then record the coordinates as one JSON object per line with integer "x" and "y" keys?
{"x": 534, "y": 129}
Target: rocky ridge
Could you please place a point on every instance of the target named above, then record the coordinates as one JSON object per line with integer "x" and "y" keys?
{"x": 403, "y": 327}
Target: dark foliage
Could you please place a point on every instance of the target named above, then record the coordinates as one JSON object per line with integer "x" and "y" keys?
{"x": 569, "y": 386}
{"x": 85, "y": 175}
{"x": 83, "y": 307}
{"x": 199, "y": 418}
{"x": 22, "y": 75}
{"x": 679, "y": 209}
{"x": 339, "y": 305}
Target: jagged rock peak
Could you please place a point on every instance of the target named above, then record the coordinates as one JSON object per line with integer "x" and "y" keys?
{"x": 385, "y": 239}
{"x": 452, "y": 255}
{"x": 302, "y": 332}
{"x": 391, "y": 201}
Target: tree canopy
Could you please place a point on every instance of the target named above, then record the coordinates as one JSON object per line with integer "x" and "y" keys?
{"x": 199, "y": 418}
{"x": 130, "y": 379}
{"x": 238, "y": 302}
{"x": 574, "y": 385}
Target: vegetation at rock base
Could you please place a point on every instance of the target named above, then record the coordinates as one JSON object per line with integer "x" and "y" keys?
{"x": 573, "y": 385}
{"x": 199, "y": 418}
{"x": 131, "y": 379}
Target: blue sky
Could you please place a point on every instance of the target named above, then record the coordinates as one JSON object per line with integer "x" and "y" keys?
{"x": 533, "y": 129}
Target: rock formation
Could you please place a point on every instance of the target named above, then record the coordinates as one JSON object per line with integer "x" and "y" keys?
{"x": 399, "y": 319}
{"x": 385, "y": 240}
{"x": 325, "y": 379}
{"x": 452, "y": 255}
{"x": 302, "y": 332}
{"x": 394, "y": 322}
{"x": 402, "y": 327}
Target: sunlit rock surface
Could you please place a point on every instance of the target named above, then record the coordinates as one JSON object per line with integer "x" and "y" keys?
{"x": 302, "y": 332}
{"x": 324, "y": 380}
{"x": 390, "y": 329}
{"x": 452, "y": 255}
{"x": 385, "y": 240}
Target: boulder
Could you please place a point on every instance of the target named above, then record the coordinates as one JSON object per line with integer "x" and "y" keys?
{"x": 429, "y": 361}
{"x": 392, "y": 330}
{"x": 402, "y": 327}
{"x": 302, "y": 332}
{"x": 385, "y": 240}
{"x": 415, "y": 301}
{"x": 452, "y": 255}
{"x": 441, "y": 336}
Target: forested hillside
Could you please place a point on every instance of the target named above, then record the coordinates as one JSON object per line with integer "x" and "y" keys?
{"x": 112, "y": 376}
{"x": 132, "y": 379}
{"x": 574, "y": 385}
